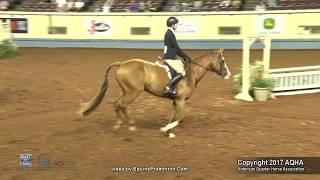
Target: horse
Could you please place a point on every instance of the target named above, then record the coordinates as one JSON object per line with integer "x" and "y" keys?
{"x": 135, "y": 76}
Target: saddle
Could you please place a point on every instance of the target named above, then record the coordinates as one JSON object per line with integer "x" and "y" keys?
{"x": 170, "y": 71}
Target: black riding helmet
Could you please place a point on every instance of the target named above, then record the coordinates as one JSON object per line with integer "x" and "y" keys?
{"x": 171, "y": 21}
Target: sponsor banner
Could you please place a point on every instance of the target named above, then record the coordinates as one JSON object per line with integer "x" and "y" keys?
{"x": 187, "y": 27}
{"x": 18, "y": 25}
{"x": 270, "y": 25}
{"x": 99, "y": 27}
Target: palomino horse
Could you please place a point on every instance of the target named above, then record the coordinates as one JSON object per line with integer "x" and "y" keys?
{"x": 135, "y": 76}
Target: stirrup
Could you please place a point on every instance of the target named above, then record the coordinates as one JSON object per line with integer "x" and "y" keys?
{"x": 168, "y": 90}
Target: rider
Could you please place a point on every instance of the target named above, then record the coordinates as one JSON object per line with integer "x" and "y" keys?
{"x": 171, "y": 50}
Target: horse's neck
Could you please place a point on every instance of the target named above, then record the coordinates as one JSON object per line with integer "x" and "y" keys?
{"x": 200, "y": 71}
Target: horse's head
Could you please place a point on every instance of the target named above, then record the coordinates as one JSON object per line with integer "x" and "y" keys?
{"x": 219, "y": 65}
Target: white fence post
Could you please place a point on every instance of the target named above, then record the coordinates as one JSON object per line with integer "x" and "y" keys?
{"x": 244, "y": 94}
{"x": 5, "y": 29}
{"x": 247, "y": 42}
{"x": 266, "y": 53}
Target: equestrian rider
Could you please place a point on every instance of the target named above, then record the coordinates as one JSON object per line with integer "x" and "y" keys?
{"x": 171, "y": 50}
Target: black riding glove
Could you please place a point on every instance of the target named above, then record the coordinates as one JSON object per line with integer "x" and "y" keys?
{"x": 188, "y": 59}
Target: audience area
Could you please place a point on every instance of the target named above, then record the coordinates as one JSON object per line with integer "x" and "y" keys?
{"x": 154, "y": 5}
{"x": 295, "y": 4}
{"x": 206, "y": 5}
{"x": 137, "y": 5}
{"x": 51, "y": 5}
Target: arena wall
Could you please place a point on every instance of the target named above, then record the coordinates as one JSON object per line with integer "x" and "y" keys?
{"x": 5, "y": 30}
{"x": 298, "y": 29}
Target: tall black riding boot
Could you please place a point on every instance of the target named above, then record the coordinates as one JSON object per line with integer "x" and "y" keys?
{"x": 170, "y": 87}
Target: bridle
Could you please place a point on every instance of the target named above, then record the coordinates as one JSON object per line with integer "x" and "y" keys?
{"x": 208, "y": 69}
{"x": 221, "y": 63}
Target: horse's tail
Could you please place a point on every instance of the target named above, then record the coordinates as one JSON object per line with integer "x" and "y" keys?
{"x": 87, "y": 108}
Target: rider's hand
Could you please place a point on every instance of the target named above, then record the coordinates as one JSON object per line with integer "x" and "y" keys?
{"x": 188, "y": 59}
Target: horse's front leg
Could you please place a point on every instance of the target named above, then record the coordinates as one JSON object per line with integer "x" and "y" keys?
{"x": 173, "y": 113}
{"x": 177, "y": 117}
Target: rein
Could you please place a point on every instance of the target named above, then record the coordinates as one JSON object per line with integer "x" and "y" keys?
{"x": 208, "y": 69}
{"x": 191, "y": 62}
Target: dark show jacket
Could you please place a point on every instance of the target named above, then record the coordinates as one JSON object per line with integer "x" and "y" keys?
{"x": 172, "y": 48}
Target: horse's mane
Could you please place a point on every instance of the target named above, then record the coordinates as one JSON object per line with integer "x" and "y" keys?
{"x": 201, "y": 56}
{"x": 196, "y": 60}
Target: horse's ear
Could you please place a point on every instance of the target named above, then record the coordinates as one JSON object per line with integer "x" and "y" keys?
{"x": 220, "y": 50}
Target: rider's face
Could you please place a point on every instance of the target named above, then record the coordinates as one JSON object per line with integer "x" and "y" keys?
{"x": 175, "y": 26}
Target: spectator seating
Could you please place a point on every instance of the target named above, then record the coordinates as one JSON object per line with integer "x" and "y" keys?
{"x": 9, "y": 4}
{"x": 212, "y": 5}
{"x": 37, "y": 6}
{"x": 296, "y": 4}
{"x": 122, "y": 5}
{"x": 5, "y": 5}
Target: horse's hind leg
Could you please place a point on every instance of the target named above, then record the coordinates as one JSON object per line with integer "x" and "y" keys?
{"x": 131, "y": 122}
{"x": 120, "y": 118}
{"x": 122, "y": 104}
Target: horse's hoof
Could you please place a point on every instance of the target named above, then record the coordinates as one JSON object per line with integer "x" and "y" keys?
{"x": 132, "y": 122}
{"x": 163, "y": 129}
{"x": 116, "y": 127}
{"x": 132, "y": 128}
{"x": 171, "y": 135}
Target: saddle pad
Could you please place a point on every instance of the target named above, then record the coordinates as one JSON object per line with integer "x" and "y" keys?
{"x": 165, "y": 67}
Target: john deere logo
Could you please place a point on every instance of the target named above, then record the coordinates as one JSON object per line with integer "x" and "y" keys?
{"x": 269, "y": 23}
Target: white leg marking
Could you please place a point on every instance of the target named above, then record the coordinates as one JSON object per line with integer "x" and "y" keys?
{"x": 171, "y": 135}
{"x": 118, "y": 125}
{"x": 169, "y": 126}
{"x": 132, "y": 128}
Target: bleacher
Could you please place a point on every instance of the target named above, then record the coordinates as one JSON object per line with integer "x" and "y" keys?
{"x": 42, "y": 5}
{"x": 122, "y": 5}
{"x": 214, "y": 5}
{"x": 296, "y": 4}
{"x": 37, "y": 6}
